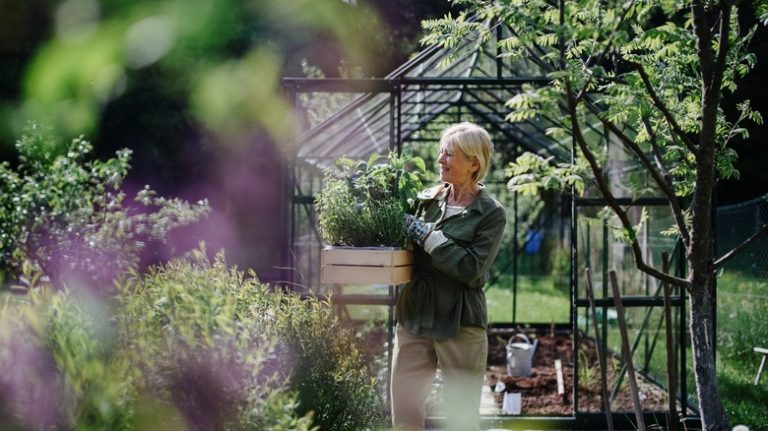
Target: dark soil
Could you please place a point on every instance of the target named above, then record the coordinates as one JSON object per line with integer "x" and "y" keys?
{"x": 538, "y": 391}
{"x": 539, "y": 395}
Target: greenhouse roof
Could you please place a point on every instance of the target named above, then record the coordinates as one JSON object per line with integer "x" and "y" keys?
{"x": 390, "y": 111}
{"x": 437, "y": 87}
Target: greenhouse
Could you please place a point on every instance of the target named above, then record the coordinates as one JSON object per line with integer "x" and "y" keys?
{"x": 405, "y": 111}
{"x": 383, "y": 214}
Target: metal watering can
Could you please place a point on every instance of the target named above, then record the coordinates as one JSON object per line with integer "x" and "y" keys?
{"x": 520, "y": 355}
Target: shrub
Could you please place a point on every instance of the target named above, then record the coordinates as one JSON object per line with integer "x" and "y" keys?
{"x": 363, "y": 204}
{"x": 191, "y": 344}
{"x": 67, "y": 216}
{"x": 197, "y": 330}
{"x": 221, "y": 325}
{"x": 61, "y": 368}
{"x": 330, "y": 375}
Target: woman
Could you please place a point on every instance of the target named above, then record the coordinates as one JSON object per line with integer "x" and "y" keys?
{"x": 442, "y": 317}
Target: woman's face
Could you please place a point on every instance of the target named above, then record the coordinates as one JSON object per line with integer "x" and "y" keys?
{"x": 455, "y": 166}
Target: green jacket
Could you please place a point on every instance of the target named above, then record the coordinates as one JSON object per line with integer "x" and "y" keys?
{"x": 446, "y": 291}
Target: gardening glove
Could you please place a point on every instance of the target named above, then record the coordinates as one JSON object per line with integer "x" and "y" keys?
{"x": 417, "y": 230}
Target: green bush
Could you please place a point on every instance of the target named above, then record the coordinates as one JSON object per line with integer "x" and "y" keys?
{"x": 330, "y": 374}
{"x": 67, "y": 216}
{"x": 68, "y": 366}
{"x": 191, "y": 344}
{"x": 62, "y": 369}
{"x": 283, "y": 342}
{"x": 192, "y": 328}
{"x": 364, "y": 204}
{"x": 561, "y": 268}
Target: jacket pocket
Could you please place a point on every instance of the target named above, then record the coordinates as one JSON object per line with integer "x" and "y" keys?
{"x": 462, "y": 234}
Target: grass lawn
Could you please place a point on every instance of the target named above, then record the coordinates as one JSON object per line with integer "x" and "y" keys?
{"x": 745, "y": 402}
{"x": 741, "y": 325}
{"x": 538, "y": 301}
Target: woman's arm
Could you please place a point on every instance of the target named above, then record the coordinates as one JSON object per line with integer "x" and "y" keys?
{"x": 469, "y": 263}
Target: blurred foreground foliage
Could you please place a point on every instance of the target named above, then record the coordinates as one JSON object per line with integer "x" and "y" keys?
{"x": 193, "y": 88}
{"x": 193, "y": 64}
{"x": 65, "y": 215}
{"x": 192, "y": 344}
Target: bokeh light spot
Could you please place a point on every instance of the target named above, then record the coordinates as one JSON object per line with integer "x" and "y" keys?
{"x": 77, "y": 19}
{"x": 149, "y": 40}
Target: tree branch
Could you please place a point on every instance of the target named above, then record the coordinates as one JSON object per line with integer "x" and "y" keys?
{"x": 612, "y": 203}
{"x": 677, "y": 211}
{"x": 703, "y": 41}
{"x": 724, "y": 46}
{"x": 666, "y": 187}
{"x": 741, "y": 247}
{"x": 602, "y": 55}
{"x": 661, "y": 106}
{"x": 655, "y": 149}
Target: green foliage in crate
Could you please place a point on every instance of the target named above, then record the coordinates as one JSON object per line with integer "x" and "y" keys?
{"x": 363, "y": 203}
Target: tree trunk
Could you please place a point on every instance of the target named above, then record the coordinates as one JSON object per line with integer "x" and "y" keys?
{"x": 713, "y": 415}
{"x": 701, "y": 250}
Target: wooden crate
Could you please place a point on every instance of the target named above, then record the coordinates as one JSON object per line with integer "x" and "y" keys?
{"x": 365, "y": 265}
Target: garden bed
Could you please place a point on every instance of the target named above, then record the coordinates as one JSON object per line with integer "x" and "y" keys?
{"x": 539, "y": 394}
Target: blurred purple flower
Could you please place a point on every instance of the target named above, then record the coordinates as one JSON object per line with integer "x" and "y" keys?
{"x": 31, "y": 389}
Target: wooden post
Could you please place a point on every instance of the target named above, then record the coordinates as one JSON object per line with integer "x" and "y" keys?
{"x": 764, "y": 352}
{"x": 671, "y": 373}
{"x": 627, "y": 352}
{"x": 600, "y": 358}
{"x": 560, "y": 382}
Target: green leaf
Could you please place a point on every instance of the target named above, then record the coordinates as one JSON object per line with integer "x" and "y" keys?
{"x": 372, "y": 160}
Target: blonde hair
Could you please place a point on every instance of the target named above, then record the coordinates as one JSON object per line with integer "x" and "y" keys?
{"x": 472, "y": 140}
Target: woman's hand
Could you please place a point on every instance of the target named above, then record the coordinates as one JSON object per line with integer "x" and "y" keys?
{"x": 417, "y": 230}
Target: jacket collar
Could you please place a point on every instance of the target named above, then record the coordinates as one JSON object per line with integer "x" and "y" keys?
{"x": 482, "y": 203}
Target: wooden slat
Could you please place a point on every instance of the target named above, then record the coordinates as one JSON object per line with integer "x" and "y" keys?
{"x": 764, "y": 352}
{"x": 365, "y": 275}
{"x": 353, "y": 256}
{"x": 627, "y": 352}
{"x": 669, "y": 342}
{"x": 604, "y": 395}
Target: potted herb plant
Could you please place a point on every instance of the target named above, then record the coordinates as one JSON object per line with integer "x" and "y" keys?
{"x": 360, "y": 213}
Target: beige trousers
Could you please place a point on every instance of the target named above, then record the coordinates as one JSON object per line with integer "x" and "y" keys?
{"x": 461, "y": 360}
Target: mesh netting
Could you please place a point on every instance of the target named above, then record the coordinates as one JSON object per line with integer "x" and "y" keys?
{"x": 742, "y": 290}
{"x": 736, "y": 223}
